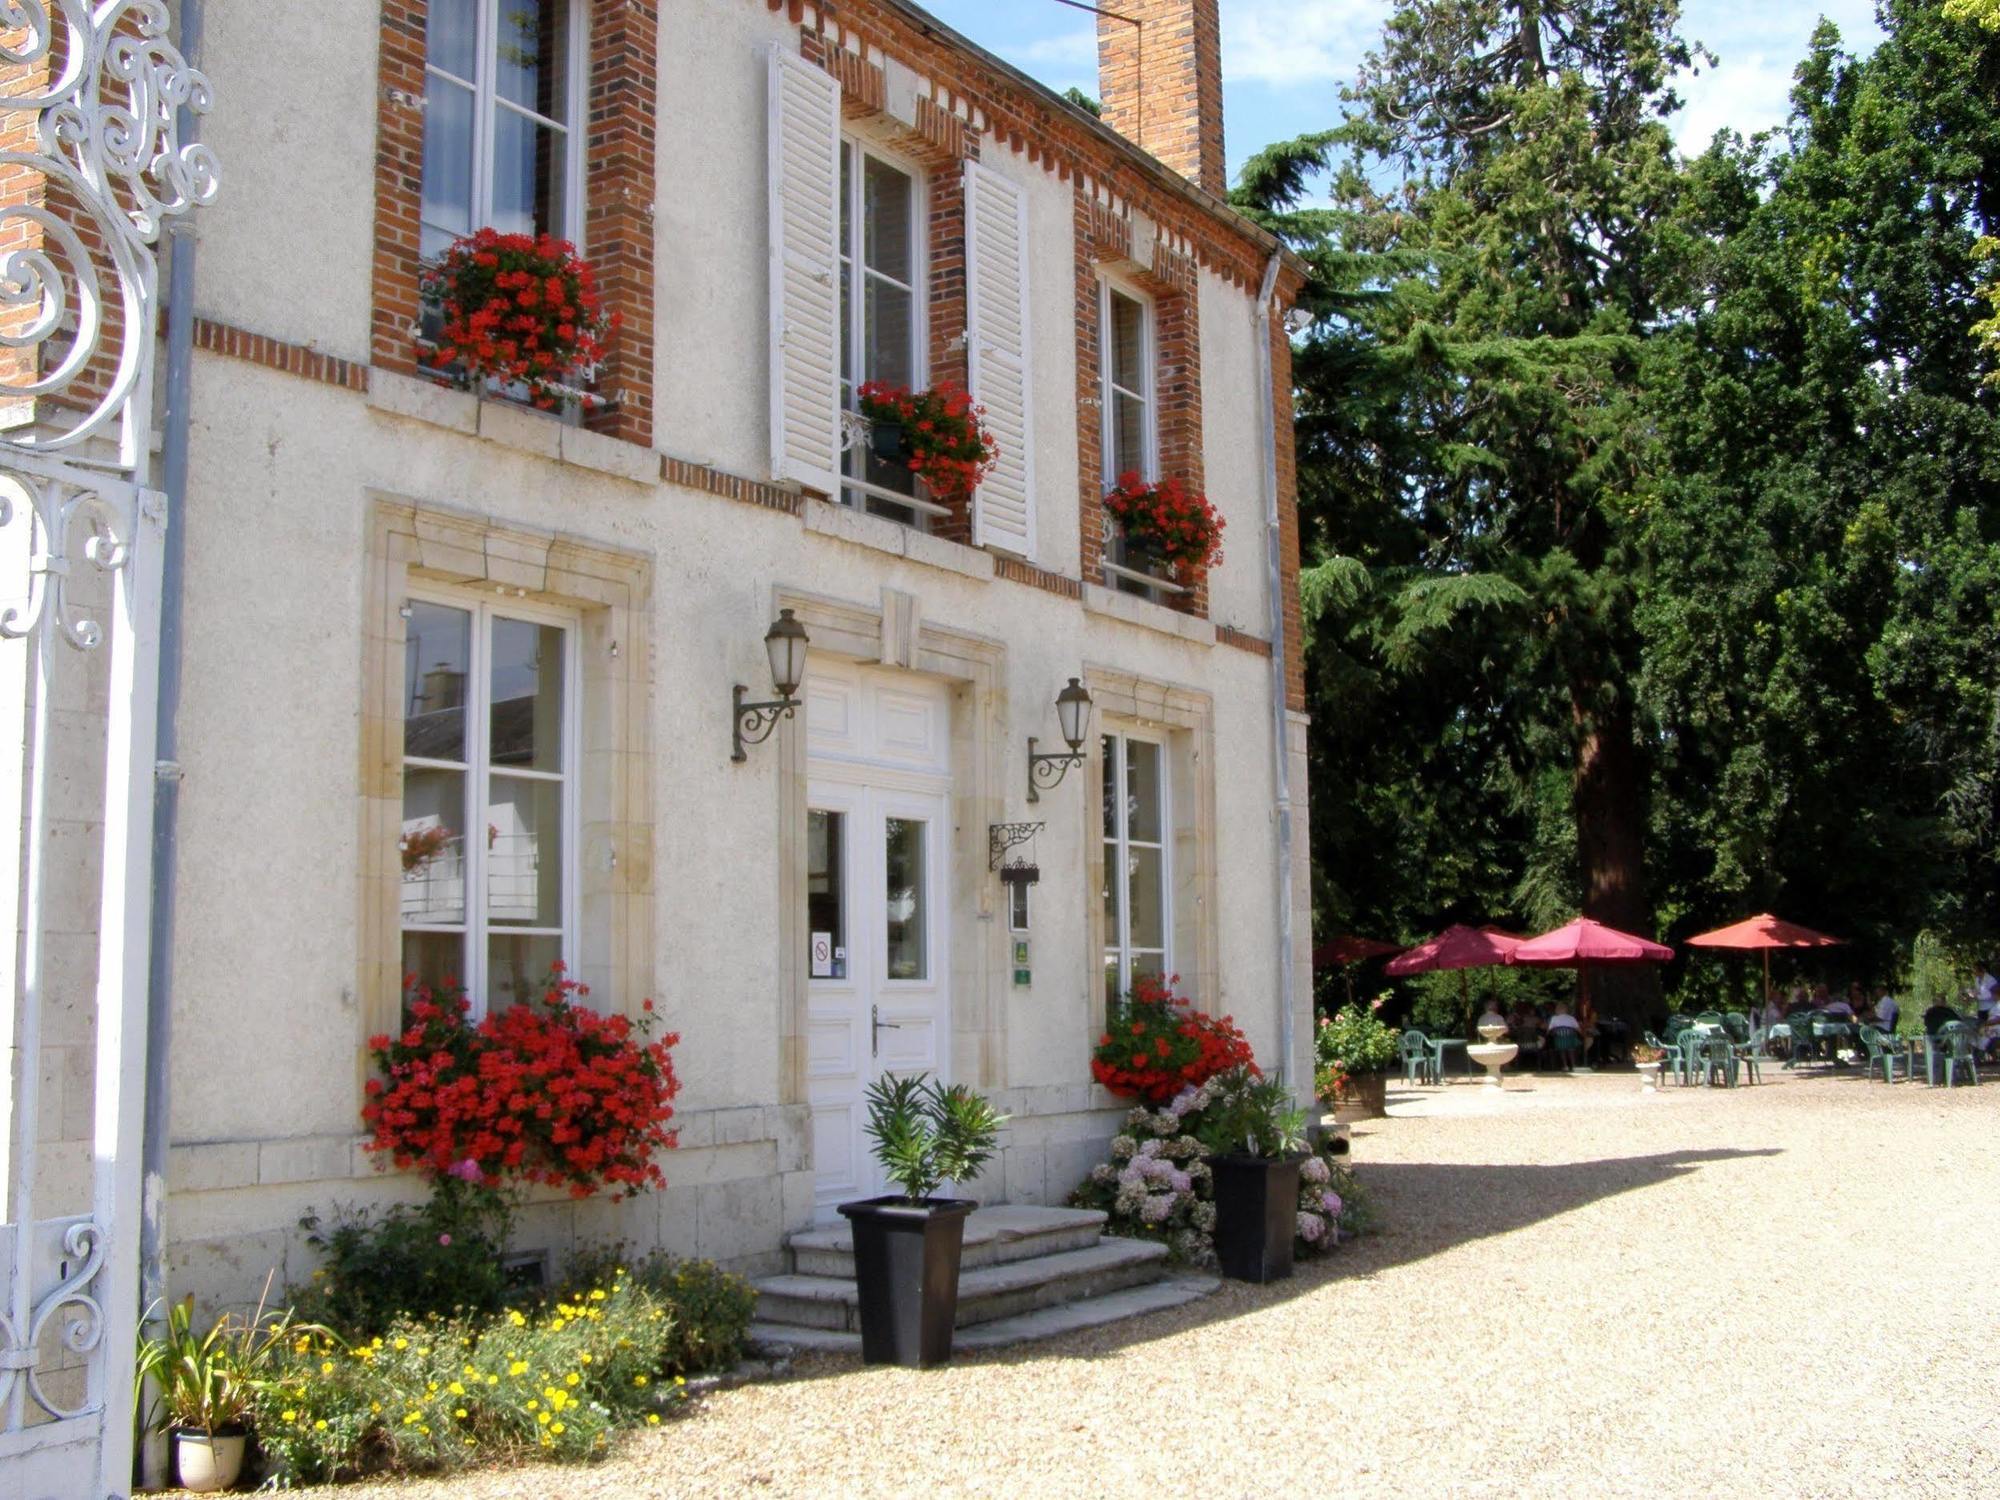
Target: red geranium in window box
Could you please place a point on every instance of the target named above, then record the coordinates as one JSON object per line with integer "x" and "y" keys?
{"x": 1169, "y": 519}
{"x": 1155, "y": 1043}
{"x": 943, "y": 441}
{"x": 548, "y": 1092}
{"x": 518, "y": 307}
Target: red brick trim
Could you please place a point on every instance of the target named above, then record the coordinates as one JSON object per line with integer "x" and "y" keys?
{"x": 619, "y": 170}
{"x": 1288, "y": 509}
{"x": 731, "y": 486}
{"x": 293, "y": 359}
{"x": 1242, "y": 640}
{"x": 1016, "y": 571}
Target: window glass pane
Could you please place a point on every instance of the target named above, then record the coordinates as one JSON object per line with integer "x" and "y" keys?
{"x": 1113, "y": 991}
{"x": 433, "y": 958}
{"x": 826, "y": 883}
{"x": 1142, "y": 792}
{"x": 436, "y": 659}
{"x": 889, "y": 334}
{"x": 432, "y": 845}
{"x": 532, "y": 65}
{"x": 451, "y": 36}
{"x": 528, "y": 175}
{"x": 1127, "y": 343}
{"x": 1154, "y": 964}
{"x": 1108, "y": 750}
{"x": 524, "y": 853}
{"x": 887, "y": 201}
{"x": 527, "y": 678}
{"x": 908, "y": 914}
{"x": 1128, "y": 435}
{"x": 1143, "y": 870}
{"x": 447, "y": 211}
{"x": 517, "y": 968}
{"x": 1017, "y": 907}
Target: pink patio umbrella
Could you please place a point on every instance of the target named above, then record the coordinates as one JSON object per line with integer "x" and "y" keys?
{"x": 1457, "y": 947}
{"x": 1762, "y": 933}
{"x": 1582, "y": 943}
{"x": 1348, "y": 950}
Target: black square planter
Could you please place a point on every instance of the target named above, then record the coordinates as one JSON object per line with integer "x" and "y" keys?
{"x": 1256, "y": 1215}
{"x": 906, "y": 1269}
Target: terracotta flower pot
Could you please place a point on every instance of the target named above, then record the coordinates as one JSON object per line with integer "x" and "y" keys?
{"x": 1364, "y": 1097}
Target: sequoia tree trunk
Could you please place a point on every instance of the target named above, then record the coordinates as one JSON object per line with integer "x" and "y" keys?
{"x": 1610, "y": 806}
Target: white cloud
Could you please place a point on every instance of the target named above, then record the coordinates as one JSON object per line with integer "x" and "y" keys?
{"x": 1286, "y": 43}
{"x": 1748, "y": 93}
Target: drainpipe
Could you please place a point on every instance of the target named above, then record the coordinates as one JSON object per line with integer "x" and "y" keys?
{"x": 166, "y": 803}
{"x": 1280, "y": 726}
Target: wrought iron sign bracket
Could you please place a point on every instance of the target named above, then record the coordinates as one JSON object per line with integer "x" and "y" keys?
{"x": 1000, "y": 837}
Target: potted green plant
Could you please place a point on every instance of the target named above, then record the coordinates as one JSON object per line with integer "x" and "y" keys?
{"x": 206, "y": 1386}
{"x": 1255, "y": 1139}
{"x": 1363, "y": 1049}
{"x": 906, "y": 1246}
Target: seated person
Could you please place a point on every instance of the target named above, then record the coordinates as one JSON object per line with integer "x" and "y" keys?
{"x": 1936, "y": 1016}
{"x": 1887, "y": 1011}
{"x": 1843, "y": 1008}
{"x": 1562, "y": 1020}
{"x": 1770, "y": 1015}
{"x": 1524, "y": 1024}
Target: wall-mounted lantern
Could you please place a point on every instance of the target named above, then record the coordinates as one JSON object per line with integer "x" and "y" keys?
{"x": 1073, "y": 714}
{"x": 785, "y": 643}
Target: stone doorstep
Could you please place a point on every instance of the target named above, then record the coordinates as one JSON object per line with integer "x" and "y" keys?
{"x": 989, "y": 1293}
{"x": 993, "y": 1236}
{"x": 781, "y": 1341}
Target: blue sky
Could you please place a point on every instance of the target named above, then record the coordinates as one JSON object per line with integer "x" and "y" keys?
{"x": 1283, "y": 61}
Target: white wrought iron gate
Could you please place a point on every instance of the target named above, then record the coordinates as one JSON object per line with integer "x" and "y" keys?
{"x": 93, "y": 95}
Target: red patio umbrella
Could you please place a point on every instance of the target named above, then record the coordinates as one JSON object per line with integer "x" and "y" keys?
{"x": 1457, "y": 947}
{"x": 1583, "y": 942}
{"x": 1349, "y": 949}
{"x": 1762, "y": 933}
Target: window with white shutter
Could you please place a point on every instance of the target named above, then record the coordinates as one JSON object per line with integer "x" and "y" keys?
{"x": 996, "y": 283}
{"x": 805, "y": 273}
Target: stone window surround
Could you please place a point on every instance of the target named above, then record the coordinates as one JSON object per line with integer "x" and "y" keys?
{"x": 610, "y": 589}
{"x": 1187, "y": 717}
{"x": 894, "y": 633}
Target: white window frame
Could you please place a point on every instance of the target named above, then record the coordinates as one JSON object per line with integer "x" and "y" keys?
{"x": 476, "y": 928}
{"x": 847, "y": 256}
{"x": 1149, "y": 467}
{"x": 1118, "y": 851}
{"x": 486, "y": 101}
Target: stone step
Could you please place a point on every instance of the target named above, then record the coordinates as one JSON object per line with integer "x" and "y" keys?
{"x": 993, "y": 1236}
{"x": 984, "y": 1294}
{"x": 780, "y": 1340}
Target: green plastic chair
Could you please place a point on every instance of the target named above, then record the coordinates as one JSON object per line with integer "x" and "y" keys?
{"x": 1416, "y": 1052}
{"x": 1951, "y": 1047}
{"x": 1750, "y": 1055}
{"x": 1716, "y": 1058}
{"x": 1738, "y": 1026}
{"x": 1805, "y": 1046}
{"x": 1883, "y": 1054}
{"x": 1567, "y": 1045}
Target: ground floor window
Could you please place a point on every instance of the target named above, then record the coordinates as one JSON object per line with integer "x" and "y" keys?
{"x": 1137, "y": 926}
{"x": 488, "y": 897}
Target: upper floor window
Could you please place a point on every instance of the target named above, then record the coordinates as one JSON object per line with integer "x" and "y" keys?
{"x": 1126, "y": 337}
{"x": 881, "y": 317}
{"x": 488, "y": 832}
{"x": 501, "y": 136}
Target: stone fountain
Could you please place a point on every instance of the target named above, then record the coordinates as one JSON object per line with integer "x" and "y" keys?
{"x": 1490, "y": 1052}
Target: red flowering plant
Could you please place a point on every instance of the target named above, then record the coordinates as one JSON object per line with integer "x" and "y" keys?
{"x": 945, "y": 443}
{"x": 517, "y": 307}
{"x": 1155, "y": 1043}
{"x": 1169, "y": 519}
{"x": 548, "y": 1092}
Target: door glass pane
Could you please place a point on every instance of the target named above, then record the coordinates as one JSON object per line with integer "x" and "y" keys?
{"x": 517, "y": 968}
{"x": 451, "y": 36}
{"x": 908, "y": 914}
{"x": 826, "y": 891}
{"x": 447, "y": 211}
{"x": 1142, "y": 792}
{"x": 526, "y": 674}
{"x": 532, "y": 68}
{"x": 433, "y": 958}
{"x": 528, "y": 175}
{"x": 1143, "y": 872}
{"x": 432, "y": 845}
{"x": 524, "y": 853}
{"x": 436, "y": 659}
{"x": 887, "y": 200}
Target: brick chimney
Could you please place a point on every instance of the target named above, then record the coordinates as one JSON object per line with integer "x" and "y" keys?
{"x": 1162, "y": 83}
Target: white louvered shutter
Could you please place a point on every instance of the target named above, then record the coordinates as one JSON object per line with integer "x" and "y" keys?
{"x": 996, "y": 314}
{"x": 805, "y": 273}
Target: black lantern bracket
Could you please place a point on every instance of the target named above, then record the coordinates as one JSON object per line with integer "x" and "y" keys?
{"x": 1045, "y": 772}
{"x": 754, "y": 722}
{"x": 1000, "y": 837}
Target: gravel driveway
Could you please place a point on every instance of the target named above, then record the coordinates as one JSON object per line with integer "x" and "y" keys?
{"x": 1578, "y": 1290}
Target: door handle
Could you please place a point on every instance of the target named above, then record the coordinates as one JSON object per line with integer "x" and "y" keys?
{"x": 876, "y": 1027}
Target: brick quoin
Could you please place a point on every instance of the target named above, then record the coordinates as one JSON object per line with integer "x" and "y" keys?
{"x": 620, "y": 108}
{"x": 1162, "y": 83}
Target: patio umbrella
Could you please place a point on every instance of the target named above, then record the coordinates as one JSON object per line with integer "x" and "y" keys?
{"x": 1762, "y": 933}
{"x": 1582, "y": 943}
{"x": 1348, "y": 949}
{"x": 1457, "y": 947}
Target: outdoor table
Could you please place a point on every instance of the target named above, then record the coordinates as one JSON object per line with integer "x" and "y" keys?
{"x": 1438, "y": 1044}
